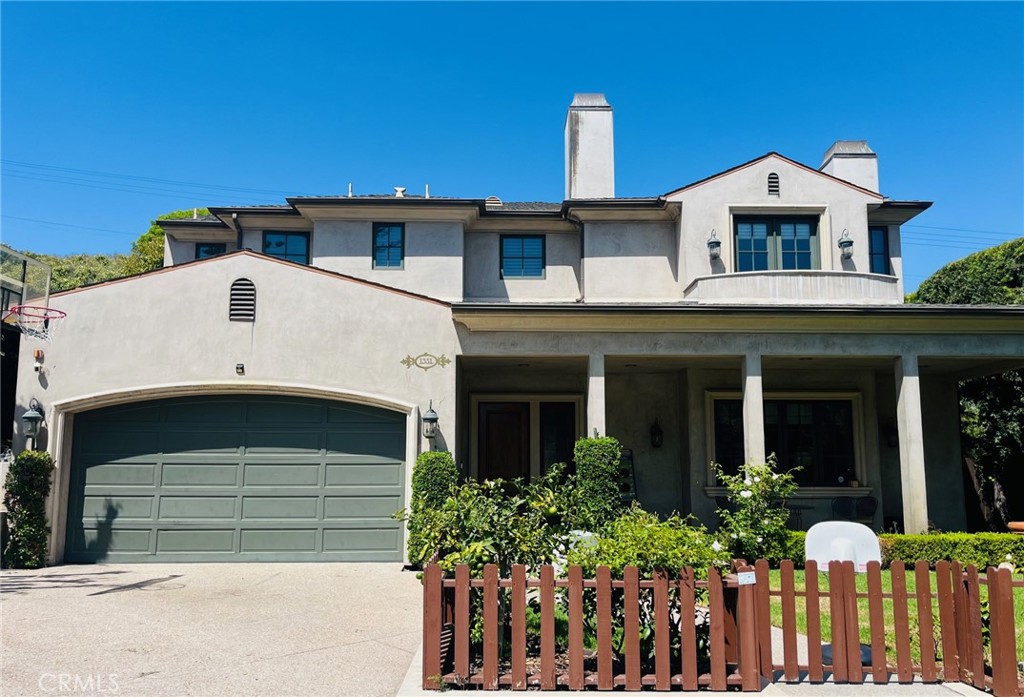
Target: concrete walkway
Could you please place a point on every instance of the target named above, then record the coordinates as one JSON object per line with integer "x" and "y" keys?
{"x": 208, "y": 629}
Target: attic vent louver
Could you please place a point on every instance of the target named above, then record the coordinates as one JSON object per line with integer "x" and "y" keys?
{"x": 242, "y": 306}
{"x": 773, "y": 184}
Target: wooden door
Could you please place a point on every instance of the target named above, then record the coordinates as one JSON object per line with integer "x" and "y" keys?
{"x": 504, "y": 440}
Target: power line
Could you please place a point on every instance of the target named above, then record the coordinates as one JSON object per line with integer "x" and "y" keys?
{"x": 174, "y": 182}
{"x": 71, "y": 225}
{"x": 960, "y": 229}
{"x": 123, "y": 188}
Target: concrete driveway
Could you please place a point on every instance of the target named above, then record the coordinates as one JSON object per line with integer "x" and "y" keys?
{"x": 208, "y": 629}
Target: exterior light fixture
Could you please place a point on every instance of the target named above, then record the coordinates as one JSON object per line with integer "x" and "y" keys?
{"x": 239, "y": 368}
{"x": 714, "y": 246}
{"x": 430, "y": 422}
{"x": 657, "y": 435}
{"x": 32, "y": 418}
{"x": 846, "y": 245}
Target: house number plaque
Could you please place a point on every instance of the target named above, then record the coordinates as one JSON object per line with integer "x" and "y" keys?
{"x": 426, "y": 361}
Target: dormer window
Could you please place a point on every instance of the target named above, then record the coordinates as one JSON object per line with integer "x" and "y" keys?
{"x": 773, "y": 184}
{"x": 771, "y": 243}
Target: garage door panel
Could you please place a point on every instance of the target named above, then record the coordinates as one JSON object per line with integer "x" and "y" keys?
{"x": 237, "y": 478}
{"x": 277, "y": 507}
{"x": 342, "y": 507}
{"x": 381, "y": 445}
{"x": 197, "y": 507}
{"x": 362, "y": 539}
{"x": 283, "y": 442}
{"x": 121, "y": 474}
{"x": 99, "y": 508}
{"x": 200, "y": 441}
{"x": 199, "y": 475}
{"x": 198, "y": 540}
{"x": 281, "y": 475}
{"x": 263, "y": 540}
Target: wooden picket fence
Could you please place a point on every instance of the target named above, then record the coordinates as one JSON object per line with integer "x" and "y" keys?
{"x": 739, "y": 642}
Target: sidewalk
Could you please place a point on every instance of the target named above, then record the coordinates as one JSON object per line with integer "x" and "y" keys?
{"x": 411, "y": 687}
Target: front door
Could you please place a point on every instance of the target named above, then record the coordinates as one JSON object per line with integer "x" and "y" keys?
{"x": 504, "y": 440}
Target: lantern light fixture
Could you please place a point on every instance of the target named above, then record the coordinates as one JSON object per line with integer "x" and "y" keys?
{"x": 846, "y": 245}
{"x": 714, "y": 246}
{"x": 429, "y": 420}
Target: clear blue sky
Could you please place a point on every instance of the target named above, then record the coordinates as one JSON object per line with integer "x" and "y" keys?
{"x": 115, "y": 113}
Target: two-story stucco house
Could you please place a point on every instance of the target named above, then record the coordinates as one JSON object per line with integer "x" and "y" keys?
{"x": 261, "y": 396}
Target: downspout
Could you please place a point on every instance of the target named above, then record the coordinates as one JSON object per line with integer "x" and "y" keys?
{"x": 238, "y": 230}
{"x": 579, "y": 226}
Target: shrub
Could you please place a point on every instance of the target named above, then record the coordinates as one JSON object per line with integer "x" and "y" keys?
{"x": 433, "y": 478}
{"x": 638, "y": 538}
{"x": 981, "y": 549}
{"x": 754, "y": 526}
{"x": 25, "y": 490}
{"x": 597, "y": 478}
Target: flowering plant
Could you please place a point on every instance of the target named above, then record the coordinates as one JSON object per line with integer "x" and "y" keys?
{"x": 754, "y": 524}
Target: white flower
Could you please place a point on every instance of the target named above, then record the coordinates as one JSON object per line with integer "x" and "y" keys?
{"x": 747, "y": 481}
{"x": 716, "y": 546}
{"x": 759, "y": 539}
{"x": 757, "y": 479}
{"x": 775, "y": 476}
{"x": 742, "y": 533}
{"x": 746, "y": 493}
{"x": 1009, "y": 557}
{"x": 734, "y": 536}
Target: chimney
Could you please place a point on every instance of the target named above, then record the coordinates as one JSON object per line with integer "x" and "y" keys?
{"x": 852, "y": 161}
{"x": 589, "y": 148}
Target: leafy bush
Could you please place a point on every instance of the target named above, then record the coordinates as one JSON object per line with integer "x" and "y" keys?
{"x": 433, "y": 478}
{"x": 25, "y": 490}
{"x": 501, "y": 522}
{"x": 982, "y": 549}
{"x": 597, "y": 477}
{"x": 638, "y": 538}
{"x": 754, "y": 525}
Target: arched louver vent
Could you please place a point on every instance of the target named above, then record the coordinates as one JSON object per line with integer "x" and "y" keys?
{"x": 242, "y": 307}
{"x": 773, "y": 184}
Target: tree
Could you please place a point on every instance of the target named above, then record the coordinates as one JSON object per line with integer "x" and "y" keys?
{"x": 147, "y": 253}
{"x": 991, "y": 407}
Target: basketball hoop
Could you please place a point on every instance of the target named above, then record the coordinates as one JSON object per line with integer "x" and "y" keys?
{"x": 35, "y": 321}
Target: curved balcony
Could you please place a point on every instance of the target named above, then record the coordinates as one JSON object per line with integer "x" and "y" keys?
{"x": 811, "y": 287}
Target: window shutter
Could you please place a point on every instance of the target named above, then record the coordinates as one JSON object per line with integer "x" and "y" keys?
{"x": 773, "y": 184}
{"x": 242, "y": 305}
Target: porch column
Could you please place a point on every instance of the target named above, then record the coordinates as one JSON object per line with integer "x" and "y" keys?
{"x": 911, "y": 432}
{"x": 595, "y": 396}
{"x": 753, "y": 410}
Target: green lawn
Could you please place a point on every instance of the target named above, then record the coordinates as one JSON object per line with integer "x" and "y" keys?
{"x": 887, "y": 606}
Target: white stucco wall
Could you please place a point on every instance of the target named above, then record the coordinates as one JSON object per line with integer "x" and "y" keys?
{"x": 630, "y": 261}
{"x": 433, "y": 255}
{"x": 713, "y": 205}
{"x": 483, "y": 281}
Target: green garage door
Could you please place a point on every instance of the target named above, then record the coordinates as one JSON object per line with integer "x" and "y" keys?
{"x": 229, "y": 478}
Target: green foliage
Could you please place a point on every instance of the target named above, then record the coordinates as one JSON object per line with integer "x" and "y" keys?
{"x": 638, "y": 538}
{"x": 981, "y": 549}
{"x": 754, "y": 525}
{"x": 992, "y": 407}
{"x": 148, "y": 250}
{"x": 433, "y": 478}
{"x": 25, "y": 490}
{"x": 501, "y": 522}
{"x": 597, "y": 476}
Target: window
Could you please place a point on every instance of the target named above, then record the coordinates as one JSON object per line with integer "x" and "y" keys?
{"x": 772, "y": 243}
{"x": 205, "y": 250}
{"x": 773, "y": 184}
{"x": 522, "y": 256}
{"x": 388, "y": 245}
{"x": 290, "y": 246}
{"x": 242, "y": 303}
{"x": 878, "y": 244}
{"x": 816, "y": 435}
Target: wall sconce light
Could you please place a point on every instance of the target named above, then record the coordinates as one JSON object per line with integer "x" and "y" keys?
{"x": 657, "y": 435}
{"x": 32, "y": 418}
{"x": 239, "y": 368}
{"x": 714, "y": 245}
{"x": 37, "y": 360}
{"x": 430, "y": 422}
{"x": 846, "y": 245}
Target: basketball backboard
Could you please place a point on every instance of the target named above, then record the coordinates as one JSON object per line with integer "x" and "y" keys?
{"x": 23, "y": 280}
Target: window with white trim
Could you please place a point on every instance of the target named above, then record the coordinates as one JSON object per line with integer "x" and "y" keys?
{"x": 769, "y": 243}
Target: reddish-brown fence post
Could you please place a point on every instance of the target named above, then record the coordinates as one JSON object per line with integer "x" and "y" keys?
{"x": 518, "y": 627}
{"x": 604, "y": 628}
{"x": 901, "y": 620}
{"x": 662, "y": 633}
{"x": 717, "y": 610}
{"x": 837, "y": 611}
{"x": 947, "y": 622}
{"x": 815, "y": 670}
{"x": 490, "y": 627}
{"x": 788, "y": 589}
{"x": 462, "y": 591}
{"x": 432, "y": 627}
{"x": 1004, "y": 655}
{"x": 687, "y": 629}
{"x": 746, "y": 625}
{"x": 876, "y": 618}
{"x": 963, "y": 641}
{"x": 575, "y": 628}
{"x": 547, "y": 628}
{"x": 974, "y": 622}
{"x": 923, "y": 585}
{"x": 763, "y": 613}
{"x": 631, "y": 626}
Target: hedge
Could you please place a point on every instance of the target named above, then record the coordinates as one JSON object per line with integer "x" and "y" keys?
{"x": 982, "y": 549}
{"x": 25, "y": 490}
{"x": 433, "y": 477}
{"x": 597, "y": 480}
